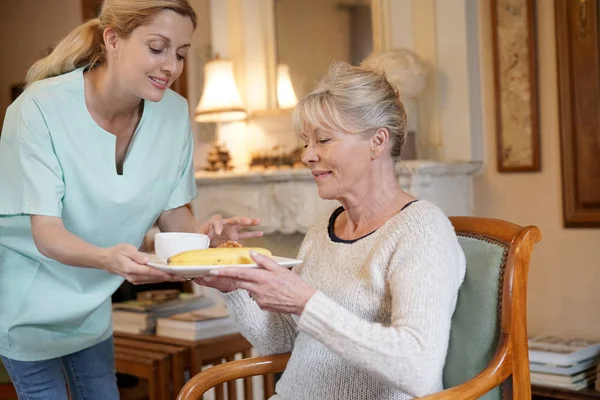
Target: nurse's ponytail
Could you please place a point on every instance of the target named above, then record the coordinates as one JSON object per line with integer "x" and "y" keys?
{"x": 84, "y": 46}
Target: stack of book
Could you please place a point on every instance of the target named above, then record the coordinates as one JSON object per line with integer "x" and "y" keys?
{"x": 139, "y": 316}
{"x": 563, "y": 363}
{"x": 200, "y": 324}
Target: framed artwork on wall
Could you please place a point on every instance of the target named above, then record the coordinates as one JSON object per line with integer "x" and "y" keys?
{"x": 516, "y": 85}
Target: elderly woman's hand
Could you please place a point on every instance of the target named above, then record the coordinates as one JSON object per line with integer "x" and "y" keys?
{"x": 221, "y": 229}
{"x": 273, "y": 287}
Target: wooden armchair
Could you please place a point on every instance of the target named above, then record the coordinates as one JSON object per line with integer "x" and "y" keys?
{"x": 487, "y": 355}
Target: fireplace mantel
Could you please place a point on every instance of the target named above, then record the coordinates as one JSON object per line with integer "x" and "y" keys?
{"x": 287, "y": 202}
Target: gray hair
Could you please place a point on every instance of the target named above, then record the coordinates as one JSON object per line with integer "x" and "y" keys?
{"x": 355, "y": 100}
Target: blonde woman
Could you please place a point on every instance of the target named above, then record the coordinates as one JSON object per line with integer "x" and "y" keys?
{"x": 367, "y": 315}
{"x": 93, "y": 153}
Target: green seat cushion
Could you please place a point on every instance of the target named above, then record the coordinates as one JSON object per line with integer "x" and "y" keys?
{"x": 476, "y": 320}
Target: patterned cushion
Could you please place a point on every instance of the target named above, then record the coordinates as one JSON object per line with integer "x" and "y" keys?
{"x": 476, "y": 321}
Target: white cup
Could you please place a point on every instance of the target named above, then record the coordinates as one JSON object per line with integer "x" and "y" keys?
{"x": 168, "y": 244}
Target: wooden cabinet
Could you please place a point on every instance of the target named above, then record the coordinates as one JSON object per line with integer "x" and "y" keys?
{"x": 578, "y": 51}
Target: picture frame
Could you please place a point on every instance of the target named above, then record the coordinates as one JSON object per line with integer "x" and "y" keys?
{"x": 515, "y": 85}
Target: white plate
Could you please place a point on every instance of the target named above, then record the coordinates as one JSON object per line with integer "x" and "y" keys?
{"x": 192, "y": 271}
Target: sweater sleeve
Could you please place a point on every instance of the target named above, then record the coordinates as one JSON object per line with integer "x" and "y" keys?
{"x": 423, "y": 279}
{"x": 268, "y": 332}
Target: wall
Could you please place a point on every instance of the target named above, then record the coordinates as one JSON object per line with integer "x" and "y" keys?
{"x": 28, "y": 28}
{"x": 563, "y": 294}
{"x": 444, "y": 36}
{"x": 199, "y": 54}
{"x": 310, "y": 36}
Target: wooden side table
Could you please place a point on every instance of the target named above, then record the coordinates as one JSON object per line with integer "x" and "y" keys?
{"x": 206, "y": 352}
{"x": 548, "y": 393}
{"x": 178, "y": 356}
{"x": 148, "y": 366}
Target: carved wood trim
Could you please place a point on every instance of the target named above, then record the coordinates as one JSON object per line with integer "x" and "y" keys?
{"x": 579, "y": 110}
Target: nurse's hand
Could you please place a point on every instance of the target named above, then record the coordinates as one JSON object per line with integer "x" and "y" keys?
{"x": 125, "y": 260}
{"x": 221, "y": 229}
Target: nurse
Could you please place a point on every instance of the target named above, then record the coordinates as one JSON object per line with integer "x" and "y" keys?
{"x": 93, "y": 153}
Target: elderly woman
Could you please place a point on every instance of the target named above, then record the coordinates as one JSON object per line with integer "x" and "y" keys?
{"x": 367, "y": 314}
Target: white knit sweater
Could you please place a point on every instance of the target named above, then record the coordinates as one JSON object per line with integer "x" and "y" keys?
{"x": 379, "y": 324}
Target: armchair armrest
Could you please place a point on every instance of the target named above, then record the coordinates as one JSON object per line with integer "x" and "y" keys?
{"x": 230, "y": 371}
{"x": 496, "y": 372}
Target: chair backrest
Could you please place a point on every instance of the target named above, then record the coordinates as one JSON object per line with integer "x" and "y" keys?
{"x": 489, "y": 323}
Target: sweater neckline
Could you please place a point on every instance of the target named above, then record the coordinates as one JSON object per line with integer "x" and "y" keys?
{"x": 334, "y": 238}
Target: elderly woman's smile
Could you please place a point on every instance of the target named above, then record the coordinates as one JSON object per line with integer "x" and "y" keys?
{"x": 320, "y": 175}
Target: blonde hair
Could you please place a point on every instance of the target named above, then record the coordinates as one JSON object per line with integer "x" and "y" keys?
{"x": 84, "y": 46}
{"x": 355, "y": 100}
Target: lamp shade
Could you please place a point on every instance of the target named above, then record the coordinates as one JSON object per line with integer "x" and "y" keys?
{"x": 220, "y": 101}
{"x": 286, "y": 97}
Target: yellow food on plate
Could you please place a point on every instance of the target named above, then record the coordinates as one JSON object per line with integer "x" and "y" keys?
{"x": 216, "y": 256}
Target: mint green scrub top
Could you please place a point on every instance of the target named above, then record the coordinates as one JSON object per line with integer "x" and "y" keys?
{"x": 56, "y": 161}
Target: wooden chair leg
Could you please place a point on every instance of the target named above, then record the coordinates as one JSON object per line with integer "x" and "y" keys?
{"x": 164, "y": 376}
{"x": 248, "y": 389}
{"x": 269, "y": 381}
{"x": 231, "y": 385}
{"x": 154, "y": 389}
{"x": 219, "y": 392}
{"x": 219, "y": 389}
{"x": 178, "y": 371}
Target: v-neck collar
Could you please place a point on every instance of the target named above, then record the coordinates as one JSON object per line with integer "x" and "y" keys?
{"x": 110, "y": 135}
